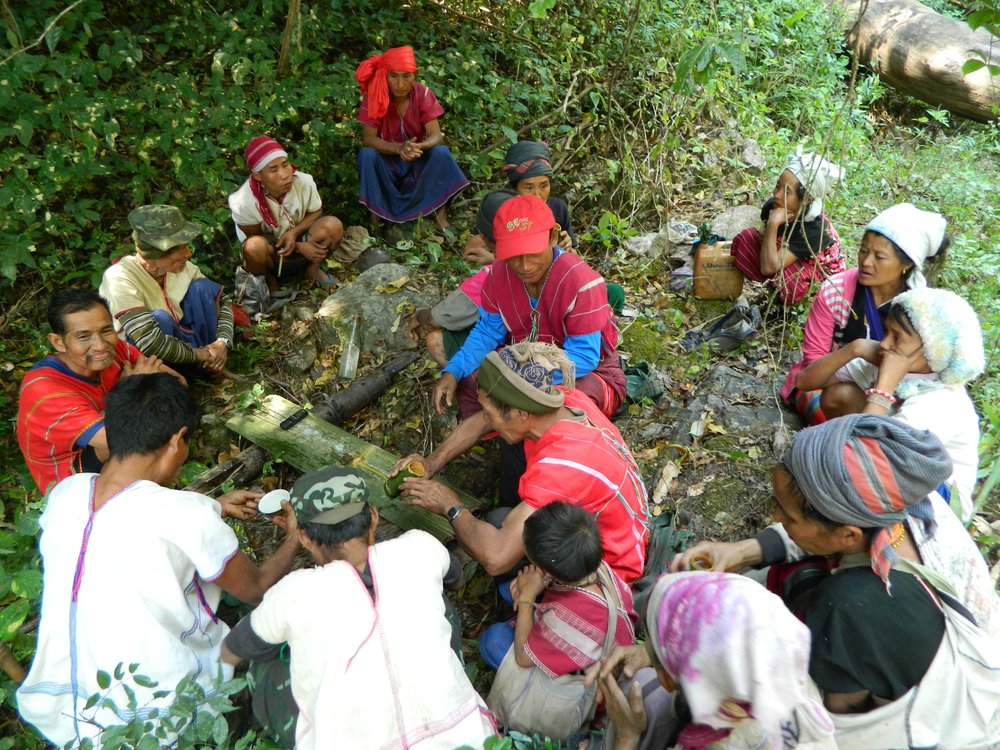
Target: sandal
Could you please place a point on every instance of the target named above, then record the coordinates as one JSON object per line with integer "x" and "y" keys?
{"x": 328, "y": 281}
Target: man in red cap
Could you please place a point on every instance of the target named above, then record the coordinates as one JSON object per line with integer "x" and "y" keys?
{"x": 538, "y": 291}
{"x": 279, "y": 217}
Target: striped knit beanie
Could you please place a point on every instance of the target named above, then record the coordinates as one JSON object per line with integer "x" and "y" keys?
{"x": 871, "y": 472}
{"x": 260, "y": 152}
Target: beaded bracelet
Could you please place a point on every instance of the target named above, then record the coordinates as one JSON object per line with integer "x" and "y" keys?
{"x": 879, "y": 400}
{"x": 884, "y": 394}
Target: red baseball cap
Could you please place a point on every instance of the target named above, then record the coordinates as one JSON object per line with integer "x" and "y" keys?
{"x": 522, "y": 226}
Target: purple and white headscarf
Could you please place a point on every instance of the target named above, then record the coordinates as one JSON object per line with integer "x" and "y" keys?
{"x": 738, "y": 655}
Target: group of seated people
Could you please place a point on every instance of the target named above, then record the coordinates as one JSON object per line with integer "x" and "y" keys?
{"x": 874, "y": 623}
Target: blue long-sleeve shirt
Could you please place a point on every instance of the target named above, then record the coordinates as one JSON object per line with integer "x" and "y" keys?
{"x": 489, "y": 333}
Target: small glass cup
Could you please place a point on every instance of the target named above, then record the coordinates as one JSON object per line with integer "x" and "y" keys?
{"x": 701, "y": 562}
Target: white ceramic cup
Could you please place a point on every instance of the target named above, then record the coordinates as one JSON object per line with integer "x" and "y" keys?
{"x": 271, "y": 502}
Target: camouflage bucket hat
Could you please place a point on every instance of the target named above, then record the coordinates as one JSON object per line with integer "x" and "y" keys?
{"x": 329, "y": 496}
{"x": 163, "y": 227}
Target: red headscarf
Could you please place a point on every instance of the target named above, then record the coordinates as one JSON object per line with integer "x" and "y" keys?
{"x": 371, "y": 74}
{"x": 260, "y": 152}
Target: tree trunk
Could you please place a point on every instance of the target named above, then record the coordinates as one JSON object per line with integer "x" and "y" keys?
{"x": 921, "y": 53}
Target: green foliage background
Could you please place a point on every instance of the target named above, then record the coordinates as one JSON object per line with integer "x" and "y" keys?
{"x": 645, "y": 104}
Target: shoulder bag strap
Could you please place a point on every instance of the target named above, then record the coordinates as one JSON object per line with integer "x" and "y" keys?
{"x": 937, "y": 584}
{"x": 611, "y": 597}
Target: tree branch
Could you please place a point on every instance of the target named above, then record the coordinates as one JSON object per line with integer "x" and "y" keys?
{"x": 486, "y": 24}
{"x": 294, "y": 8}
{"x": 44, "y": 34}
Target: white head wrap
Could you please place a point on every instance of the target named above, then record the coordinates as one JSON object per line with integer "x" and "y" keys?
{"x": 268, "y": 158}
{"x": 816, "y": 175}
{"x": 917, "y": 233}
{"x": 949, "y": 330}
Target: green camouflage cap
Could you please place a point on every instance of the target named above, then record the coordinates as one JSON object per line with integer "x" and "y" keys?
{"x": 163, "y": 227}
{"x": 329, "y": 496}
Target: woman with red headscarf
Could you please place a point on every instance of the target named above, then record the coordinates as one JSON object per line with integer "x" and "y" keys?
{"x": 406, "y": 170}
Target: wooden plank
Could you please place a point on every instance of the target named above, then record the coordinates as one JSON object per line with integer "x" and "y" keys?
{"x": 314, "y": 443}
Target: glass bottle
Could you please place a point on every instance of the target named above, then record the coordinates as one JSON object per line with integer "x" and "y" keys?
{"x": 352, "y": 350}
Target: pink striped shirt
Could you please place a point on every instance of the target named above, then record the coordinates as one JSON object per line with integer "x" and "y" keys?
{"x": 830, "y": 310}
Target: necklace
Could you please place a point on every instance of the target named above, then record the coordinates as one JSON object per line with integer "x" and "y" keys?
{"x": 898, "y": 535}
{"x": 535, "y": 314}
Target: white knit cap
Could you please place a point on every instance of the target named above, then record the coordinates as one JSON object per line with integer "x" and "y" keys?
{"x": 917, "y": 233}
{"x": 816, "y": 175}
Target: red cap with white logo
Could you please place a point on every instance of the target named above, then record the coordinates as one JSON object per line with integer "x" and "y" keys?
{"x": 522, "y": 226}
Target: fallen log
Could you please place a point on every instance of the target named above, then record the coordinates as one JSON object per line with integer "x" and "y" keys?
{"x": 248, "y": 463}
{"x": 313, "y": 443}
{"x": 921, "y": 53}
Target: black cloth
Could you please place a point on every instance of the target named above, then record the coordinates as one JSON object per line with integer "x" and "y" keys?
{"x": 865, "y": 639}
{"x": 561, "y": 211}
{"x": 89, "y": 462}
{"x": 513, "y": 464}
{"x": 803, "y": 239}
{"x": 857, "y": 322}
{"x": 772, "y": 546}
{"x": 249, "y": 646}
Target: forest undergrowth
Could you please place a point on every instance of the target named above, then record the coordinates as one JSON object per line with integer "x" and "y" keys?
{"x": 647, "y": 107}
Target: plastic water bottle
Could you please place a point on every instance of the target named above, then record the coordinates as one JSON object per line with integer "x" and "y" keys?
{"x": 352, "y": 350}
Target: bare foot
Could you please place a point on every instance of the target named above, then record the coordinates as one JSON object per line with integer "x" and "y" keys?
{"x": 321, "y": 277}
{"x": 435, "y": 347}
{"x": 441, "y": 217}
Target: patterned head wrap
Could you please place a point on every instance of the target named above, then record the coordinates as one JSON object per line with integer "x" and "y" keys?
{"x": 950, "y": 332}
{"x": 737, "y": 653}
{"x": 816, "y": 175}
{"x": 917, "y": 233}
{"x": 527, "y": 159}
{"x": 871, "y": 472}
{"x": 372, "y": 76}
{"x": 260, "y": 152}
{"x": 523, "y": 376}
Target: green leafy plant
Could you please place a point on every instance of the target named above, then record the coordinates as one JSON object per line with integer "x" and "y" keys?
{"x": 186, "y": 717}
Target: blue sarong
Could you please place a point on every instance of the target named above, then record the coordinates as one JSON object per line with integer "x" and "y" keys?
{"x": 201, "y": 317}
{"x": 400, "y": 191}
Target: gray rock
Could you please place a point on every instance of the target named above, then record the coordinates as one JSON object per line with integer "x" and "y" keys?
{"x": 303, "y": 357}
{"x": 383, "y": 312}
{"x": 293, "y": 312}
{"x": 213, "y": 431}
{"x": 752, "y": 156}
{"x": 734, "y": 220}
{"x": 741, "y": 403}
{"x": 736, "y": 385}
